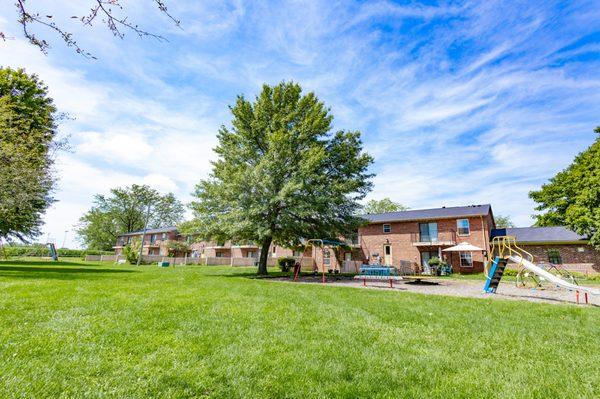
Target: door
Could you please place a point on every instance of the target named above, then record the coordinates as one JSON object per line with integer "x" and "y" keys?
{"x": 387, "y": 254}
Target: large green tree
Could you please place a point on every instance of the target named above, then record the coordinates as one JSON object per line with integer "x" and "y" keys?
{"x": 572, "y": 197}
{"x": 126, "y": 209}
{"x": 27, "y": 142}
{"x": 382, "y": 206}
{"x": 281, "y": 174}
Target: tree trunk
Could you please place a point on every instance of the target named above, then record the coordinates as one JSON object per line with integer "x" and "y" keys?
{"x": 264, "y": 254}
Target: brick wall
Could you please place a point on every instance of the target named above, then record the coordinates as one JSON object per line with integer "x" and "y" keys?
{"x": 573, "y": 259}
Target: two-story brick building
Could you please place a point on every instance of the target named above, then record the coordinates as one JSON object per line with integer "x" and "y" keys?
{"x": 411, "y": 238}
{"x": 155, "y": 240}
{"x": 406, "y": 239}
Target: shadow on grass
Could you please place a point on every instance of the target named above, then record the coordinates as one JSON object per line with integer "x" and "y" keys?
{"x": 59, "y": 269}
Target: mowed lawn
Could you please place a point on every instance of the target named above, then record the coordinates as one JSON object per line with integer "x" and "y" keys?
{"x": 83, "y": 329}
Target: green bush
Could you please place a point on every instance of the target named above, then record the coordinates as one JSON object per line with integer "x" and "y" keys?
{"x": 131, "y": 254}
{"x": 286, "y": 263}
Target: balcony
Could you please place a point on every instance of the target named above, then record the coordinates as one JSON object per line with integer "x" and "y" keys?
{"x": 244, "y": 244}
{"x": 442, "y": 238}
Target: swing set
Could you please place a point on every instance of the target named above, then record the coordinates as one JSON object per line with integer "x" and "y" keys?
{"x": 323, "y": 245}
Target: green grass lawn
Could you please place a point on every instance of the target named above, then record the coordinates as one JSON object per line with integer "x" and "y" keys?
{"x": 88, "y": 330}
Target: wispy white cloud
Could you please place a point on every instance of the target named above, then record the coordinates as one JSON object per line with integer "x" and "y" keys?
{"x": 462, "y": 102}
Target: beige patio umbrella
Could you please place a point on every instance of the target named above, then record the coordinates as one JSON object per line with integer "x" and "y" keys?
{"x": 463, "y": 247}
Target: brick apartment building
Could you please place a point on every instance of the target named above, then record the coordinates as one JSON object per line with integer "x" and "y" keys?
{"x": 406, "y": 239}
{"x": 409, "y": 239}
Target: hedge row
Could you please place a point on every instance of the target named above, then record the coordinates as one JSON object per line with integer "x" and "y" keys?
{"x": 42, "y": 250}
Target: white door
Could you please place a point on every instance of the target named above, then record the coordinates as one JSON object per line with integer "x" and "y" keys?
{"x": 387, "y": 254}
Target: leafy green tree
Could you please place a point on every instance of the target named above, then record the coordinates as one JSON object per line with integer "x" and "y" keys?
{"x": 383, "y": 206}
{"x": 126, "y": 209}
{"x": 281, "y": 174}
{"x": 27, "y": 142}
{"x": 131, "y": 251}
{"x": 503, "y": 221}
{"x": 572, "y": 197}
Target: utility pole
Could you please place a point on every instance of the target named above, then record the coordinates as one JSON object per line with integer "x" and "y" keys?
{"x": 139, "y": 259}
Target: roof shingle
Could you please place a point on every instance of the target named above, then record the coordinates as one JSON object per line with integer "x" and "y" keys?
{"x": 425, "y": 214}
{"x": 540, "y": 234}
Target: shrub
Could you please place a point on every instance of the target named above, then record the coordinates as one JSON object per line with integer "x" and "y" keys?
{"x": 286, "y": 263}
{"x": 437, "y": 262}
{"x": 41, "y": 250}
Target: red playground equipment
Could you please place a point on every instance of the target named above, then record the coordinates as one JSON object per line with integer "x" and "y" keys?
{"x": 325, "y": 261}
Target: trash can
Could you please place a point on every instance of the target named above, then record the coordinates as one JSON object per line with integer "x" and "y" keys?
{"x": 163, "y": 264}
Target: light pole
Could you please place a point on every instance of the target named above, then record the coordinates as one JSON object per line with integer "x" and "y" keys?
{"x": 64, "y": 239}
{"x": 139, "y": 259}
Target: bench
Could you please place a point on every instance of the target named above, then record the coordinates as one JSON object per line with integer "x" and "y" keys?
{"x": 378, "y": 273}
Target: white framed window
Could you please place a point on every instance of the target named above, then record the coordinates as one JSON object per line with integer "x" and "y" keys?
{"x": 163, "y": 237}
{"x": 387, "y": 228}
{"x": 251, "y": 254}
{"x": 462, "y": 225}
{"x": 274, "y": 251}
{"x": 466, "y": 259}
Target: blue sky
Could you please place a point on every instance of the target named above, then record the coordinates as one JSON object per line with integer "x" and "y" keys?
{"x": 459, "y": 102}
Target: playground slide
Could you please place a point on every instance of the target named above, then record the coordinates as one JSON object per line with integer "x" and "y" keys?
{"x": 551, "y": 277}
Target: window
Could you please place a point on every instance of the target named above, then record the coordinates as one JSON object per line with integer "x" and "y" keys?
{"x": 387, "y": 228}
{"x": 463, "y": 227}
{"x": 428, "y": 232}
{"x": 219, "y": 254}
{"x": 347, "y": 256}
{"x": 251, "y": 254}
{"x": 297, "y": 253}
{"x": 152, "y": 238}
{"x": 466, "y": 259}
{"x": 387, "y": 249}
{"x": 554, "y": 256}
{"x": 163, "y": 237}
{"x": 274, "y": 251}
{"x": 326, "y": 257}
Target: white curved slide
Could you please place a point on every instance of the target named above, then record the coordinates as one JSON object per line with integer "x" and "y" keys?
{"x": 551, "y": 277}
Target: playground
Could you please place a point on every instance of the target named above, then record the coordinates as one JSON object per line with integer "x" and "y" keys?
{"x": 533, "y": 282}
{"x": 470, "y": 287}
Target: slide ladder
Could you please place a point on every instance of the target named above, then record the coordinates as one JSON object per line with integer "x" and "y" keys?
{"x": 495, "y": 275}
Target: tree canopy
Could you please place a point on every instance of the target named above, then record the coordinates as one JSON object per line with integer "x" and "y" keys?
{"x": 382, "y": 206}
{"x": 27, "y": 142}
{"x": 503, "y": 221}
{"x": 572, "y": 197}
{"x": 281, "y": 174}
{"x": 126, "y": 209}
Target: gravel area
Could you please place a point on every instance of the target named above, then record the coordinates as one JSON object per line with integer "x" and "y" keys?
{"x": 464, "y": 288}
